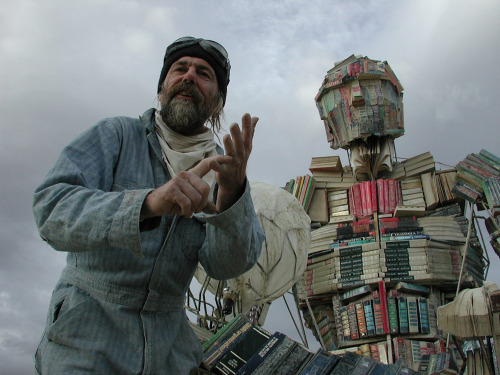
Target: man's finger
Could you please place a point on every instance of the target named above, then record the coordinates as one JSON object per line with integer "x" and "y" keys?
{"x": 210, "y": 208}
{"x": 202, "y": 168}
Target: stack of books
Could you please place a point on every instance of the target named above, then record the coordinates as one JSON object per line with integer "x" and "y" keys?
{"x": 360, "y": 97}
{"x": 320, "y": 276}
{"x": 389, "y": 195}
{"x": 322, "y": 325}
{"x": 424, "y": 357}
{"x": 363, "y": 199}
{"x": 444, "y": 229}
{"x": 356, "y": 265}
{"x": 338, "y": 204}
{"x": 400, "y": 228}
{"x": 491, "y": 188}
{"x": 354, "y": 233}
{"x": 414, "y": 166}
{"x": 321, "y": 239}
{"x": 412, "y": 192}
{"x": 240, "y": 348}
{"x": 445, "y": 180}
{"x": 420, "y": 260}
{"x": 322, "y": 164}
{"x": 364, "y": 316}
{"x": 331, "y": 181}
{"x": 473, "y": 171}
{"x": 302, "y": 188}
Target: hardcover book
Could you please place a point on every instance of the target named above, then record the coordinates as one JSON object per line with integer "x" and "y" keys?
{"x": 320, "y": 364}
{"x": 403, "y": 315}
{"x": 411, "y": 303}
{"x": 273, "y": 343}
{"x": 242, "y": 351}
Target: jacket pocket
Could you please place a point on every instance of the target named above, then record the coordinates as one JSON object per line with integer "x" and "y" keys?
{"x": 70, "y": 315}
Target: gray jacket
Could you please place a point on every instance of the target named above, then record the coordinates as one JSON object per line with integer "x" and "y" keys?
{"x": 119, "y": 305}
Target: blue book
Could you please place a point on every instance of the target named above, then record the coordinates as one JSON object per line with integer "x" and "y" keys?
{"x": 347, "y": 364}
{"x": 294, "y": 361}
{"x": 403, "y": 315}
{"x": 379, "y": 369}
{"x": 321, "y": 364}
{"x": 423, "y": 314}
{"x": 242, "y": 351}
{"x": 364, "y": 366}
{"x": 370, "y": 321}
{"x": 274, "y": 341}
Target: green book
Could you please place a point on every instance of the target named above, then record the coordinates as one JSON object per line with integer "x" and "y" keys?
{"x": 221, "y": 332}
{"x": 403, "y": 315}
{"x": 392, "y": 308}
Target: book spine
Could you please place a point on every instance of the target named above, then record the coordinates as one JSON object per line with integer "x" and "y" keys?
{"x": 403, "y": 315}
{"x": 391, "y": 191}
{"x": 383, "y": 305}
{"x": 274, "y": 359}
{"x": 360, "y": 314}
{"x": 413, "y": 325}
{"x": 386, "y": 197}
{"x": 392, "y": 308}
{"x": 221, "y": 332}
{"x": 345, "y": 323}
{"x": 273, "y": 343}
{"x": 242, "y": 351}
{"x": 214, "y": 355}
{"x": 380, "y": 196}
{"x": 423, "y": 312}
{"x": 378, "y": 317}
{"x": 318, "y": 362}
{"x": 353, "y": 322}
{"x": 357, "y": 201}
{"x": 296, "y": 358}
{"x": 373, "y": 190}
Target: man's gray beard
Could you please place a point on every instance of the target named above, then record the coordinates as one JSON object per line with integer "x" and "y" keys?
{"x": 183, "y": 116}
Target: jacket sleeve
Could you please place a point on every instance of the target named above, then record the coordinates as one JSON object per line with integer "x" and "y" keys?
{"x": 78, "y": 207}
{"x": 234, "y": 240}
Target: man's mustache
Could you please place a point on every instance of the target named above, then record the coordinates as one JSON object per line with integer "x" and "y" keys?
{"x": 188, "y": 89}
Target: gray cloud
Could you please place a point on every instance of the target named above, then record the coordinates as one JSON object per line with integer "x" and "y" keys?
{"x": 67, "y": 64}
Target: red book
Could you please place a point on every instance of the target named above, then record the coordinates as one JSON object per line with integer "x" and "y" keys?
{"x": 383, "y": 305}
{"x": 392, "y": 195}
{"x": 386, "y": 197}
{"x": 363, "y": 199}
{"x": 304, "y": 188}
{"x": 353, "y": 321}
{"x": 373, "y": 189}
{"x": 357, "y": 201}
{"x": 368, "y": 198}
{"x": 380, "y": 194}
{"x": 352, "y": 209}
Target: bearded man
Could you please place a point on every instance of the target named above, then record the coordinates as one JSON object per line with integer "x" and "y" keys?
{"x": 136, "y": 204}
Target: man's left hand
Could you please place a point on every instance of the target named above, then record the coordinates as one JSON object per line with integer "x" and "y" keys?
{"x": 230, "y": 169}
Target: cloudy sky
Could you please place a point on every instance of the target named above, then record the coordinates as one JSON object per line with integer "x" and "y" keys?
{"x": 66, "y": 64}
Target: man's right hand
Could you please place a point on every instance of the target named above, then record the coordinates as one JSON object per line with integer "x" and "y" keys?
{"x": 185, "y": 194}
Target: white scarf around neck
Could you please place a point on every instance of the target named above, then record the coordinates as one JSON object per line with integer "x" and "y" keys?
{"x": 181, "y": 152}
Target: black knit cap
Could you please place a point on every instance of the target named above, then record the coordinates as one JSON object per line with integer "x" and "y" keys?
{"x": 211, "y": 52}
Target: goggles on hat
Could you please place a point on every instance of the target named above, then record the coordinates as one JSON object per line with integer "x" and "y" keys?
{"x": 217, "y": 51}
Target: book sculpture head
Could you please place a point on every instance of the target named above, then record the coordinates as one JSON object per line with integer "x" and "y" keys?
{"x": 361, "y": 104}
{"x": 284, "y": 252}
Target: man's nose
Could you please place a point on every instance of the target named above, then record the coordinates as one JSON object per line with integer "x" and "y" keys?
{"x": 190, "y": 74}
